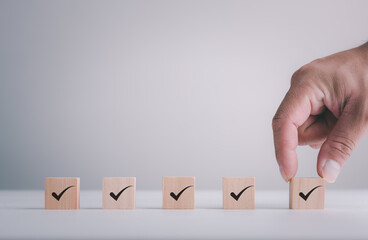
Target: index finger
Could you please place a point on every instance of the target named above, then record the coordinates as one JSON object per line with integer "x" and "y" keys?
{"x": 293, "y": 112}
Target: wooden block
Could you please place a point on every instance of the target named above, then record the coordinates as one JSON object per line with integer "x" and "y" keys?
{"x": 238, "y": 192}
{"x": 118, "y": 193}
{"x": 307, "y": 193}
{"x": 178, "y": 192}
{"x": 62, "y": 193}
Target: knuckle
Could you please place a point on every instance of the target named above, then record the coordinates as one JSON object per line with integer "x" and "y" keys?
{"x": 295, "y": 77}
{"x": 299, "y": 74}
{"x": 307, "y": 72}
{"x": 343, "y": 146}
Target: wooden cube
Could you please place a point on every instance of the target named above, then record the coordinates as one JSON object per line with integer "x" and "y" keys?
{"x": 307, "y": 193}
{"x": 238, "y": 192}
{"x": 62, "y": 193}
{"x": 118, "y": 193}
{"x": 178, "y": 192}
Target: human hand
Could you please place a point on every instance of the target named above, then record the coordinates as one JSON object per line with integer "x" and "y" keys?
{"x": 326, "y": 107}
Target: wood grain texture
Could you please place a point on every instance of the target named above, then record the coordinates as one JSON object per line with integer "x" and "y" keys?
{"x": 174, "y": 186}
{"x": 126, "y": 186}
{"x": 56, "y": 195}
{"x": 301, "y": 195}
{"x": 238, "y": 192}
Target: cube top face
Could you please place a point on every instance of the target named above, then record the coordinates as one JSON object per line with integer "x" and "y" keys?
{"x": 178, "y": 192}
{"x": 62, "y": 193}
{"x": 118, "y": 193}
{"x": 307, "y": 193}
{"x": 238, "y": 192}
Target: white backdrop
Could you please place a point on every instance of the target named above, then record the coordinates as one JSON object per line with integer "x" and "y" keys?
{"x": 152, "y": 88}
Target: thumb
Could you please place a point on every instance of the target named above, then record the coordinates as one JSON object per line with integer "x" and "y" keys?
{"x": 340, "y": 143}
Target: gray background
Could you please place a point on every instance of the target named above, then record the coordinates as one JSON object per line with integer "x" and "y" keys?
{"x": 153, "y": 88}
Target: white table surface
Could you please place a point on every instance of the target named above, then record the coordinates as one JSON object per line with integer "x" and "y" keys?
{"x": 22, "y": 216}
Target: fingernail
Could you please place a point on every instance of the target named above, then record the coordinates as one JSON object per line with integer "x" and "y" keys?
{"x": 331, "y": 170}
{"x": 283, "y": 174}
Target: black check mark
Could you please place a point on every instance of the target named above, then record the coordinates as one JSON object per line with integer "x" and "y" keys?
{"x": 305, "y": 197}
{"x": 116, "y": 197}
{"x": 57, "y": 197}
{"x": 236, "y": 197}
{"x": 176, "y": 197}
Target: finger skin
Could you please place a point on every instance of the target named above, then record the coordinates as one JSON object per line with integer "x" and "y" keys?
{"x": 316, "y": 128}
{"x": 316, "y": 146}
{"x": 293, "y": 112}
